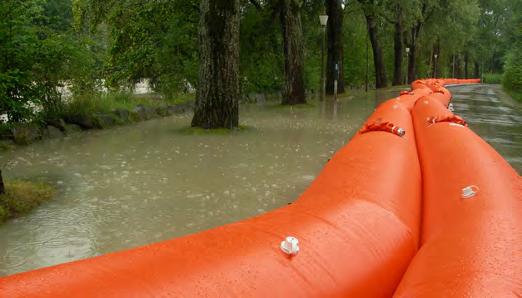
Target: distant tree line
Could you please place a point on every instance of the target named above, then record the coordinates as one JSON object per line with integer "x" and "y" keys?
{"x": 228, "y": 48}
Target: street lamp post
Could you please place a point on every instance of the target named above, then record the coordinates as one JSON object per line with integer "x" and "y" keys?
{"x": 435, "y": 66}
{"x": 406, "y": 72}
{"x": 324, "y": 21}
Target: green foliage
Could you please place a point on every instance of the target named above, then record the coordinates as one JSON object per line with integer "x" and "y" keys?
{"x": 355, "y": 45}
{"x": 152, "y": 39}
{"x": 39, "y": 54}
{"x": 48, "y": 44}
{"x": 512, "y": 80}
{"x": 261, "y": 52}
{"x": 513, "y": 70}
{"x": 492, "y": 78}
{"x": 23, "y": 196}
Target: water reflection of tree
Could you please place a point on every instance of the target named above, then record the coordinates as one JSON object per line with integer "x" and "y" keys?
{"x": 331, "y": 108}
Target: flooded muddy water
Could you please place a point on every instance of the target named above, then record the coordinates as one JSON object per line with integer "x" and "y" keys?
{"x": 138, "y": 184}
{"x": 152, "y": 181}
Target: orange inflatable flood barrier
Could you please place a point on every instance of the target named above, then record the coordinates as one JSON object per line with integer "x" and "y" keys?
{"x": 352, "y": 233}
{"x": 472, "y": 212}
{"x": 357, "y": 228}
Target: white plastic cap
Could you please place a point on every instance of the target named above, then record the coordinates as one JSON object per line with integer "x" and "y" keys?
{"x": 469, "y": 192}
{"x": 290, "y": 246}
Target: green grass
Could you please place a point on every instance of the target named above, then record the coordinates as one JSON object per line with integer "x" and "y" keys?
{"x": 21, "y": 197}
{"x": 105, "y": 103}
{"x": 493, "y": 78}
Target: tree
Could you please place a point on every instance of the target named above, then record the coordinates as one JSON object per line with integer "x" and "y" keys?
{"x": 370, "y": 9}
{"x": 37, "y": 53}
{"x": 335, "y": 65}
{"x": 2, "y": 187}
{"x": 290, "y": 16}
{"x": 398, "y": 47}
{"x": 397, "y": 13}
{"x": 426, "y": 10}
{"x": 217, "y": 99}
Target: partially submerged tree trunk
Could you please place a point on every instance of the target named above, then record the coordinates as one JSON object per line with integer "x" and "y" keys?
{"x": 435, "y": 60}
{"x": 294, "y": 89}
{"x": 458, "y": 68}
{"x": 476, "y": 72}
{"x": 2, "y": 187}
{"x": 378, "y": 58}
{"x": 466, "y": 62}
{"x": 335, "y": 47}
{"x": 412, "y": 56}
{"x": 217, "y": 98}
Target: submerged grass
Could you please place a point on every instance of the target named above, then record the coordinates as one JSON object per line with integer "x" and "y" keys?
{"x": 21, "y": 197}
{"x": 308, "y": 105}
{"x": 197, "y": 131}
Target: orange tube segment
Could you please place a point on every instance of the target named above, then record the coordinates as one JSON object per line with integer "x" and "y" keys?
{"x": 357, "y": 225}
{"x": 472, "y": 213}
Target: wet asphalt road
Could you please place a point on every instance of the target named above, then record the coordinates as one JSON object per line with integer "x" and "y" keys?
{"x": 495, "y": 116}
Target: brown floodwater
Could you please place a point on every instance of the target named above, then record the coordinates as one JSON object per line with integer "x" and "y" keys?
{"x": 152, "y": 181}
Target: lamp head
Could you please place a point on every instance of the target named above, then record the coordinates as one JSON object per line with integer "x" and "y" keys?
{"x": 323, "y": 19}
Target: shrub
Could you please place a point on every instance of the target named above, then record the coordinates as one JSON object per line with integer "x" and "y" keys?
{"x": 512, "y": 80}
{"x": 22, "y": 196}
{"x": 492, "y": 78}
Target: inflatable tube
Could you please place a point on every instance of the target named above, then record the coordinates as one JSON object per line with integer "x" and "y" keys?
{"x": 472, "y": 213}
{"x": 357, "y": 226}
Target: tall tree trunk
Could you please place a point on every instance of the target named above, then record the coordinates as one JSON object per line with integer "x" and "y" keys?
{"x": 294, "y": 92}
{"x": 412, "y": 56}
{"x": 466, "y": 62}
{"x": 458, "y": 68}
{"x": 453, "y": 64}
{"x": 335, "y": 47}
{"x": 476, "y": 72}
{"x": 2, "y": 187}
{"x": 217, "y": 98}
{"x": 412, "y": 66}
{"x": 398, "y": 48}
{"x": 378, "y": 59}
{"x": 435, "y": 60}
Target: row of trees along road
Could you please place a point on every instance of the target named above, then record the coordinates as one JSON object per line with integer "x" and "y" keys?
{"x": 218, "y": 92}
{"x": 227, "y": 49}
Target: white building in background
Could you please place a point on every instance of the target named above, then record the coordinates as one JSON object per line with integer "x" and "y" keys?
{"x": 143, "y": 87}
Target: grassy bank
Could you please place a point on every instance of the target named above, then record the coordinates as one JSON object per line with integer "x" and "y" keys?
{"x": 492, "y": 78}
{"x": 105, "y": 103}
{"x": 21, "y": 197}
{"x": 94, "y": 111}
